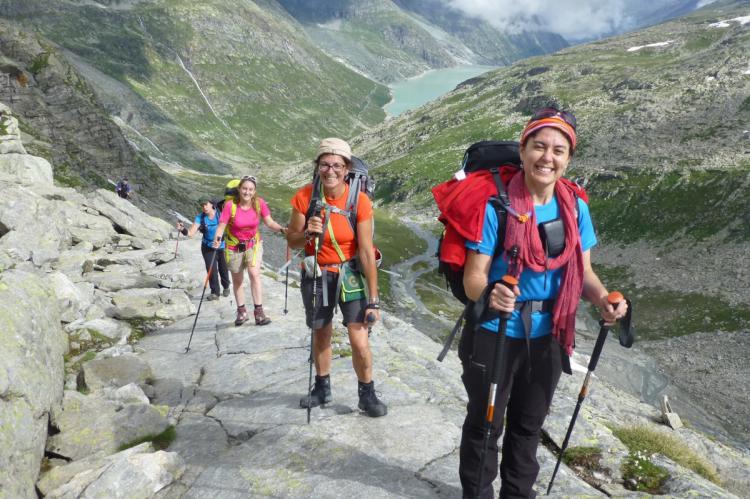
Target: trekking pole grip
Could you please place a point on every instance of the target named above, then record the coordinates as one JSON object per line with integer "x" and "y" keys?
{"x": 614, "y": 298}
{"x": 509, "y": 282}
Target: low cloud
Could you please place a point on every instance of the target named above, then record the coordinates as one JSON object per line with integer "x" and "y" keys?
{"x": 573, "y": 19}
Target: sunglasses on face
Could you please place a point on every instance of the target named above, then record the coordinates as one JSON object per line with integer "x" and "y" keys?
{"x": 337, "y": 167}
{"x": 551, "y": 112}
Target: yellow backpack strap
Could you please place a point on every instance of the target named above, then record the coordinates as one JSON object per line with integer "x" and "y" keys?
{"x": 333, "y": 240}
{"x": 231, "y": 239}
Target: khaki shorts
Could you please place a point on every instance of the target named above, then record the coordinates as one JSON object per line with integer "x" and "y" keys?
{"x": 237, "y": 261}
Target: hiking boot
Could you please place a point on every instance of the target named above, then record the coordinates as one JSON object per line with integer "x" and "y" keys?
{"x": 260, "y": 317}
{"x": 321, "y": 393}
{"x": 212, "y": 297}
{"x": 225, "y": 293}
{"x": 242, "y": 316}
{"x": 369, "y": 402}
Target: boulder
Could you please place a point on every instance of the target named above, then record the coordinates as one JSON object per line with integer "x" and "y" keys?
{"x": 115, "y": 372}
{"x": 134, "y": 472}
{"x": 75, "y": 262}
{"x": 32, "y": 344}
{"x": 89, "y": 424}
{"x": 168, "y": 304}
{"x": 72, "y": 298}
{"x": 25, "y": 169}
{"x": 123, "y": 277}
{"x": 21, "y": 211}
{"x": 104, "y": 330}
{"x": 127, "y": 218}
{"x": 10, "y": 136}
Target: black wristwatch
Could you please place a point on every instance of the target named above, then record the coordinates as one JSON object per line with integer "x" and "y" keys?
{"x": 373, "y": 305}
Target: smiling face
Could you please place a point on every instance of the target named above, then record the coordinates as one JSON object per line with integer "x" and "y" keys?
{"x": 333, "y": 169}
{"x": 545, "y": 157}
{"x": 246, "y": 190}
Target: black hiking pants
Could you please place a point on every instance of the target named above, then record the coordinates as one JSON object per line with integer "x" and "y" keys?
{"x": 220, "y": 268}
{"x": 526, "y": 396}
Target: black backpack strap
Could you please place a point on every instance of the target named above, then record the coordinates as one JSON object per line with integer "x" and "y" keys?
{"x": 352, "y": 200}
{"x": 314, "y": 197}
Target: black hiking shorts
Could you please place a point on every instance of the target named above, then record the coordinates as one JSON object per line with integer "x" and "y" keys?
{"x": 352, "y": 312}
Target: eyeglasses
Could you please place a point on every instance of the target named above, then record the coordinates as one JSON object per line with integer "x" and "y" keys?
{"x": 337, "y": 167}
{"x": 552, "y": 112}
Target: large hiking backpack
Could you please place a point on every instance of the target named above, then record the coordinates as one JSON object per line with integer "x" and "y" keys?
{"x": 500, "y": 160}
{"x": 492, "y": 156}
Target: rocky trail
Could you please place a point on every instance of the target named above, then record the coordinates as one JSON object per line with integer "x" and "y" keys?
{"x": 90, "y": 406}
{"x": 234, "y": 398}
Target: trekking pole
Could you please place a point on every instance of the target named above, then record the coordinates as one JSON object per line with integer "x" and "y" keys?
{"x": 316, "y": 213}
{"x": 176, "y": 246}
{"x": 613, "y": 298}
{"x": 497, "y": 368}
{"x": 286, "y": 280}
{"x": 205, "y": 284}
{"x": 370, "y": 320}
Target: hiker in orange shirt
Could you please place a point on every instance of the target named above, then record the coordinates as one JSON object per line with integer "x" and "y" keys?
{"x": 345, "y": 255}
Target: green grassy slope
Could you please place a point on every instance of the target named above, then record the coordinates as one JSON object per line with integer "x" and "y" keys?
{"x": 656, "y": 126}
{"x": 273, "y": 93}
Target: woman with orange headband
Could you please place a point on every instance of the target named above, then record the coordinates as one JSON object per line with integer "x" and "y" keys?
{"x": 550, "y": 230}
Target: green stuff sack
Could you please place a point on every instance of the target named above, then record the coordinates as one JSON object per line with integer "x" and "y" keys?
{"x": 352, "y": 285}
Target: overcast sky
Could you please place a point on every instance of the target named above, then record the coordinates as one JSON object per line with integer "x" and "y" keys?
{"x": 573, "y": 19}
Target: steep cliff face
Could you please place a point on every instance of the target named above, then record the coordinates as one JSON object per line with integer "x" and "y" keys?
{"x": 58, "y": 109}
{"x": 236, "y": 80}
{"x": 490, "y": 44}
{"x": 389, "y": 40}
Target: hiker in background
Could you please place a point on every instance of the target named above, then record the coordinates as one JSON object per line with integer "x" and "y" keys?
{"x": 241, "y": 217}
{"x": 541, "y": 329}
{"x": 337, "y": 247}
{"x": 206, "y": 223}
{"x": 123, "y": 188}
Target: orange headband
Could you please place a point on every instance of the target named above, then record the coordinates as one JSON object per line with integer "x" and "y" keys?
{"x": 552, "y": 122}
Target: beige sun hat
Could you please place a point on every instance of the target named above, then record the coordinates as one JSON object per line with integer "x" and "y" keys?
{"x": 333, "y": 145}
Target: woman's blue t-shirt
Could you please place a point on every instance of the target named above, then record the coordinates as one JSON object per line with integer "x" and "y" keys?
{"x": 211, "y": 225}
{"x": 532, "y": 284}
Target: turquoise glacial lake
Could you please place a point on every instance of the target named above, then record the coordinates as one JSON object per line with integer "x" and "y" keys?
{"x": 412, "y": 93}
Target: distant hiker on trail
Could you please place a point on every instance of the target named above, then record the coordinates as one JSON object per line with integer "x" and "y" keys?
{"x": 206, "y": 223}
{"x": 241, "y": 217}
{"x": 328, "y": 223}
{"x": 544, "y": 213}
{"x": 123, "y": 188}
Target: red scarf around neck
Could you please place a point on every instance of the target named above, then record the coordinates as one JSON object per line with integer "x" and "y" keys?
{"x": 532, "y": 255}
